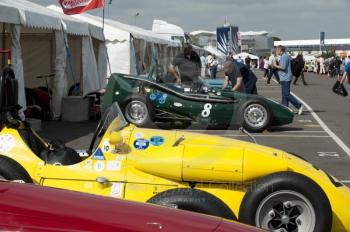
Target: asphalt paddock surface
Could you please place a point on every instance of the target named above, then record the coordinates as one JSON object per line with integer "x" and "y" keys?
{"x": 321, "y": 135}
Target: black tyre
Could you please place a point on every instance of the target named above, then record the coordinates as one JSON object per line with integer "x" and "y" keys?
{"x": 287, "y": 201}
{"x": 193, "y": 200}
{"x": 11, "y": 170}
{"x": 256, "y": 116}
{"x": 137, "y": 111}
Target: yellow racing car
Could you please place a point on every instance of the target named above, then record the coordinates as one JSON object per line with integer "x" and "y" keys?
{"x": 237, "y": 180}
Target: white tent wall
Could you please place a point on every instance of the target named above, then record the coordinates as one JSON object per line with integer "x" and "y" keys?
{"x": 102, "y": 60}
{"x": 17, "y": 63}
{"x": 59, "y": 85}
{"x": 38, "y": 52}
{"x": 119, "y": 56}
{"x": 74, "y": 63}
{"x": 90, "y": 74}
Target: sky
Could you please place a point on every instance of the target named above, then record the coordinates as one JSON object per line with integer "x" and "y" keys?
{"x": 287, "y": 19}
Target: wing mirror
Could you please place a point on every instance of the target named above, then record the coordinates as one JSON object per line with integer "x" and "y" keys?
{"x": 116, "y": 139}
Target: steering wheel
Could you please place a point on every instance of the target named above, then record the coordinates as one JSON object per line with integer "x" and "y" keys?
{"x": 99, "y": 130}
{"x": 198, "y": 87}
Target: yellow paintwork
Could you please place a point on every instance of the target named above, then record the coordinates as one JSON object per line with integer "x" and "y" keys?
{"x": 222, "y": 166}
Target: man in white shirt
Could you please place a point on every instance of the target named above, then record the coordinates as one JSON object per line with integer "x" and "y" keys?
{"x": 272, "y": 68}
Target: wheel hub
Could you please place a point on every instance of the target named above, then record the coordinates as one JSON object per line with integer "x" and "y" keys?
{"x": 286, "y": 211}
{"x": 136, "y": 112}
{"x": 255, "y": 115}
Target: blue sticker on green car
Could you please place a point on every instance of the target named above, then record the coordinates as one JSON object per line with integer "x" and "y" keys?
{"x": 153, "y": 96}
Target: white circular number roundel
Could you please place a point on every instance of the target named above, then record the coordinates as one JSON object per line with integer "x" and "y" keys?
{"x": 206, "y": 111}
{"x": 7, "y": 142}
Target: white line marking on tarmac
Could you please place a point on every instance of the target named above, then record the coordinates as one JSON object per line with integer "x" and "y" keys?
{"x": 345, "y": 181}
{"x": 292, "y": 131}
{"x": 325, "y": 127}
{"x": 286, "y": 136}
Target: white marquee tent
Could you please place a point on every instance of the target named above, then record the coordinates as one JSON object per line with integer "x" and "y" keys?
{"x": 38, "y": 38}
{"x": 130, "y": 48}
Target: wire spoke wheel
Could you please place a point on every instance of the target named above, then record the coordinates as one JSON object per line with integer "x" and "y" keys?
{"x": 255, "y": 116}
{"x": 286, "y": 211}
{"x": 136, "y": 112}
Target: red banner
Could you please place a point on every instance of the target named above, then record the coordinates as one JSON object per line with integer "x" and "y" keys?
{"x": 79, "y": 6}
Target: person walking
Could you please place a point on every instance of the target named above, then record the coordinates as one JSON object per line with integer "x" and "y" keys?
{"x": 322, "y": 66}
{"x": 266, "y": 67}
{"x": 346, "y": 74}
{"x": 298, "y": 69}
{"x": 285, "y": 75}
{"x": 337, "y": 65}
{"x": 272, "y": 67}
{"x": 213, "y": 67}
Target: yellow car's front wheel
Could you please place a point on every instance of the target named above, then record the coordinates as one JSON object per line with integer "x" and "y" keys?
{"x": 287, "y": 201}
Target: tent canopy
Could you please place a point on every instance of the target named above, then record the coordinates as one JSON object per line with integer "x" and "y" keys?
{"x": 31, "y": 15}
{"x": 117, "y": 31}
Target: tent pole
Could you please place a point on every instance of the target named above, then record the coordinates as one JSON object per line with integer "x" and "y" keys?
{"x": 3, "y": 60}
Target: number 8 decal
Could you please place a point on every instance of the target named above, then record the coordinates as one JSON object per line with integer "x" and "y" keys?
{"x": 206, "y": 111}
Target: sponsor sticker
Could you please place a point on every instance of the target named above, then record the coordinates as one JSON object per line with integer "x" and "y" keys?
{"x": 106, "y": 146}
{"x": 157, "y": 140}
{"x": 98, "y": 155}
{"x": 99, "y": 166}
{"x": 113, "y": 165}
{"x": 139, "y": 136}
{"x": 141, "y": 144}
{"x": 177, "y": 104}
{"x": 82, "y": 153}
{"x": 117, "y": 190}
{"x": 153, "y": 96}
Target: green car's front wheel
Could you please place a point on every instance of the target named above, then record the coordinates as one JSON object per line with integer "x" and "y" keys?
{"x": 256, "y": 116}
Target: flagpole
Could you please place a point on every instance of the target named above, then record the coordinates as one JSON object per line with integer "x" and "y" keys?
{"x": 103, "y": 16}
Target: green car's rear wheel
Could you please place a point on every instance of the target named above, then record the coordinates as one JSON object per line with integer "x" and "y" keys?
{"x": 256, "y": 116}
{"x": 137, "y": 112}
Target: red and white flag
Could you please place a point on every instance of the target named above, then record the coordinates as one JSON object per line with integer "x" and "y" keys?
{"x": 79, "y": 6}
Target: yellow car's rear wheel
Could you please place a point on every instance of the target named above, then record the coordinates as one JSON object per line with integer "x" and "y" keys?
{"x": 11, "y": 170}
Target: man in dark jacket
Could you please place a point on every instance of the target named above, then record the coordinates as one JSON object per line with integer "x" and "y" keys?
{"x": 298, "y": 68}
{"x": 240, "y": 76}
{"x": 186, "y": 66}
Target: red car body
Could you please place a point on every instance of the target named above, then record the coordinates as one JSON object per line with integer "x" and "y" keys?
{"x": 25, "y": 207}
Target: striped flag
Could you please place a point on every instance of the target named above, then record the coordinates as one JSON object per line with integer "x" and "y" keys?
{"x": 79, "y": 6}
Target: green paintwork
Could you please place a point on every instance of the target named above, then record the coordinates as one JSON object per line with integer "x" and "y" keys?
{"x": 225, "y": 108}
